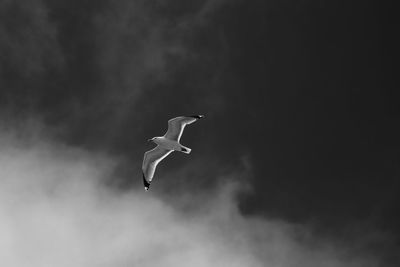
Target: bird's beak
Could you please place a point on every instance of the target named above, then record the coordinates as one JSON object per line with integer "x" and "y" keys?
{"x": 149, "y": 140}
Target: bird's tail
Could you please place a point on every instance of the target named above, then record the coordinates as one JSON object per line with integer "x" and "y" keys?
{"x": 185, "y": 150}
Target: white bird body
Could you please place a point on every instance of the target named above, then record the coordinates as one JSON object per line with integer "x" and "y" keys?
{"x": 171, "y": 144}
{"x": 166, "y": 145}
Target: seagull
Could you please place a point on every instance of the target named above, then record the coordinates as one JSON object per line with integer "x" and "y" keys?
{"x": 166, "y": 145}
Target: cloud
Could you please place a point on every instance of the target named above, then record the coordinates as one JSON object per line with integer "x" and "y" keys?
{"x": 28, "y": 39}
{"x": 56, "y": 210}
{"x": 89, "y": 69}
{"x": 145, "y": 46}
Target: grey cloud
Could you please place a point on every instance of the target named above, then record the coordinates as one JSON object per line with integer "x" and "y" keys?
{"x": 141, "y": 43}
{"x": 93, "y": 69}
{"x": 28, "y": 39}
{"x": 55, "y": 210}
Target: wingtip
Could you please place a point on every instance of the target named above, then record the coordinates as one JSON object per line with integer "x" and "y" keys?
{"x": 197, "y": 116}
{"x": 145, "y": 183}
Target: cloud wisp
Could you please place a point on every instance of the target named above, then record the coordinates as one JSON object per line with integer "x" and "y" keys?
{"x": 55, "y": 210}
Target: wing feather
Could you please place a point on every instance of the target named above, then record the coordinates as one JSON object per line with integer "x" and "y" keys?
{"x": 150, "y": 160}
{"x": 177, "y": 125}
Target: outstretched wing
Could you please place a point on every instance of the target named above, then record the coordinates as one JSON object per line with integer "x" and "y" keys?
{"x": 176, "y": 126}
{"x": 150, "y": 160}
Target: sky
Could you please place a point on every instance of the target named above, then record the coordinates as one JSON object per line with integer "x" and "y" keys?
{"x": 295, "y": 164}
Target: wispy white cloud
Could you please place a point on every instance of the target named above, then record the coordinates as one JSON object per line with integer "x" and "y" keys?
{"x": 55, "y": 210}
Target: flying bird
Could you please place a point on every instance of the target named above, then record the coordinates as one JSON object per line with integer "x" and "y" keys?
{"x": 166, "y": 145}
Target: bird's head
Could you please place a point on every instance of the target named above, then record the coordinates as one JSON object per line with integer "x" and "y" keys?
{"x": 151, "y": 139}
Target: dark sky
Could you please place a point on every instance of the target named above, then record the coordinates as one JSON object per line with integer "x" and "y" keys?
{"x": 301, "y": 94}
